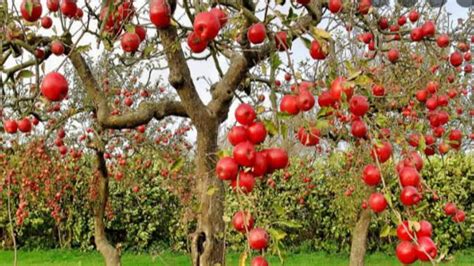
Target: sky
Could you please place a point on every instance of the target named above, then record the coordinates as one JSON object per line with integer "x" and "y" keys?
{"x": 202, "y": 68}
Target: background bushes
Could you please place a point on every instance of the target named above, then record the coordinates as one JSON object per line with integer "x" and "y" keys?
{"x": 304, "y": 208}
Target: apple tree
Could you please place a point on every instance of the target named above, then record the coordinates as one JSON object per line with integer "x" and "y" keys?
{"x": 384, "y": 76}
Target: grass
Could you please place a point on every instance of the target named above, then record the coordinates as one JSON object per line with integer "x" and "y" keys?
{"x": 77, "y": 258}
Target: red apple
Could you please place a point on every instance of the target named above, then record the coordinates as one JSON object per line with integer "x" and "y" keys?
{"x": 245, "y": 181}
{"x": 244, "y": 154}
{"x": 450, "y": 209}
{"x": 31, "y": 10}
{"x": 227, "y": 168}
{"x": 358, "y": 129}
{"x": 289, "y": 104}
{"x": 57, "y": 47}
{"x": 46, "y": 22}
{"x": 259, "y": 261}
{"x": 358, "y": 105}
{"x": 196, "y": 44}
{"x": 130, "y": 42}
{"x": 377, "y": 202}
{"x": 258, "y": 238}
{"x": 426, "y": 249}
{"x": 277, "y": 158}
{"x": 10, "y": 126}
{"x": 317, "y": 51}
{"x": 68, "y": 8}
{"x": 456, "y": 59}
{"x": 409, "y": 176}
{"x": 160, "y": 13}
{"x": 281, "y": 41}
{"x": 371, "y": 175}
{"x": 335, "y": 6}
{"x": 364, "y": 6}
{"x": 406, "y": 252}
{"x": 257, "y": 132}
{"x": 54, "y": 86}
{"x": 141, "y": 32}
{"x": 393, "y": 55}
{"x": 237, "y": 134}
{"x": 24, "y": 125}
{"x": 221, "y": 15}
{"x": 206, "y": 26}
{"x": 410, "y": 196}
{"x": 426, "y": 229}
{"x": 53, "y": 5}
{"x": 241, "y": 220}
{"x": 413, "y": 16}
{"x": 305, "y": 100}
{"x": 404, "y": 232}
{"x": 443, "y": 40}
{"x": 257, "y": 33}
{"x": 459, "y": 216}
{"x": 308, "y": 137}
{"x": 429, "y": 28}
{"x": 245, "y": 114}
{"x": 383, "y": 152}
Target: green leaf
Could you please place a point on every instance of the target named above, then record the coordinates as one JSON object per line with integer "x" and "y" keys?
{"x": 149, "y": 49}
{"x": 276, "y": 234}
{"x": 129, "y": 28}
{"x": 349, "y": 68}
{"x": 283, "y": 115}
{"x": 279, "y": 210}
{"x": 324, "y": 111}
{"x": 322, "y": 124}
{"x": 275, "y": 61}
{"x": 381, "y": 120}
{"x": 422, "y": 143}
{"x": 270, "y": 127}
{"x": 414, "y": 225}
{"x": 289, "y": 224}
{"x": 225, "y": 153}
{"x": 29, "y": 7}
{"x": 385, "y": 232}
{"x": 321, "y": 33}
{"x": 24, "y": 74}
{"x": 284, "y": 130}
{"x": 354, "y": 74}
{"x": 83, "y": 48}
{"x": 306, "y": 42}
{"x": 243, "y": 258}
{"x": 177, "y": 165}
{"x": 290, "y": 14}
{"x": 363, "y": 80}
{"x": 211, "y": 190}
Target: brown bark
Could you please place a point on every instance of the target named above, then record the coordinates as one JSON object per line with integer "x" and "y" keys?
{"x": 110, "y": 254}
{"x": 207, "y": 241}
{"x": 359, "y": 238}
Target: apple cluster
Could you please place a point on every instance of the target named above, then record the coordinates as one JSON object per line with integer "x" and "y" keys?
{"x": 248, "y": 163}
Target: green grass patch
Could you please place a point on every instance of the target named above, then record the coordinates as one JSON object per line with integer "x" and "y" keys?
{"x": 77, "y": 258}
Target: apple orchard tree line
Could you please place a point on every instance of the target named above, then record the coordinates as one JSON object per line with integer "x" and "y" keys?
{"x": 391, "y": 83}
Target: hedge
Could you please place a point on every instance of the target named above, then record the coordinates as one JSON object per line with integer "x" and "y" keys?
{"x": 306, "y": 209}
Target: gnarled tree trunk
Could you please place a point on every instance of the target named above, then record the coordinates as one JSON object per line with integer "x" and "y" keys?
{"x": 110, "y": 254}
{"x": 359, "y": 238}
{"x": 207, "y": 242}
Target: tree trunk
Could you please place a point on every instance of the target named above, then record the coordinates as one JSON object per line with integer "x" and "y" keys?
{"x": 110, "y": 254}
{"x": 207, "y": 241}
{"x": 359, "y": 238}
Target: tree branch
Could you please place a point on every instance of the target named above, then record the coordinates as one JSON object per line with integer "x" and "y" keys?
{"x": 142, "y": 115}
{"x": 180, "y": 76}
{"x": 241, "y": 63}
